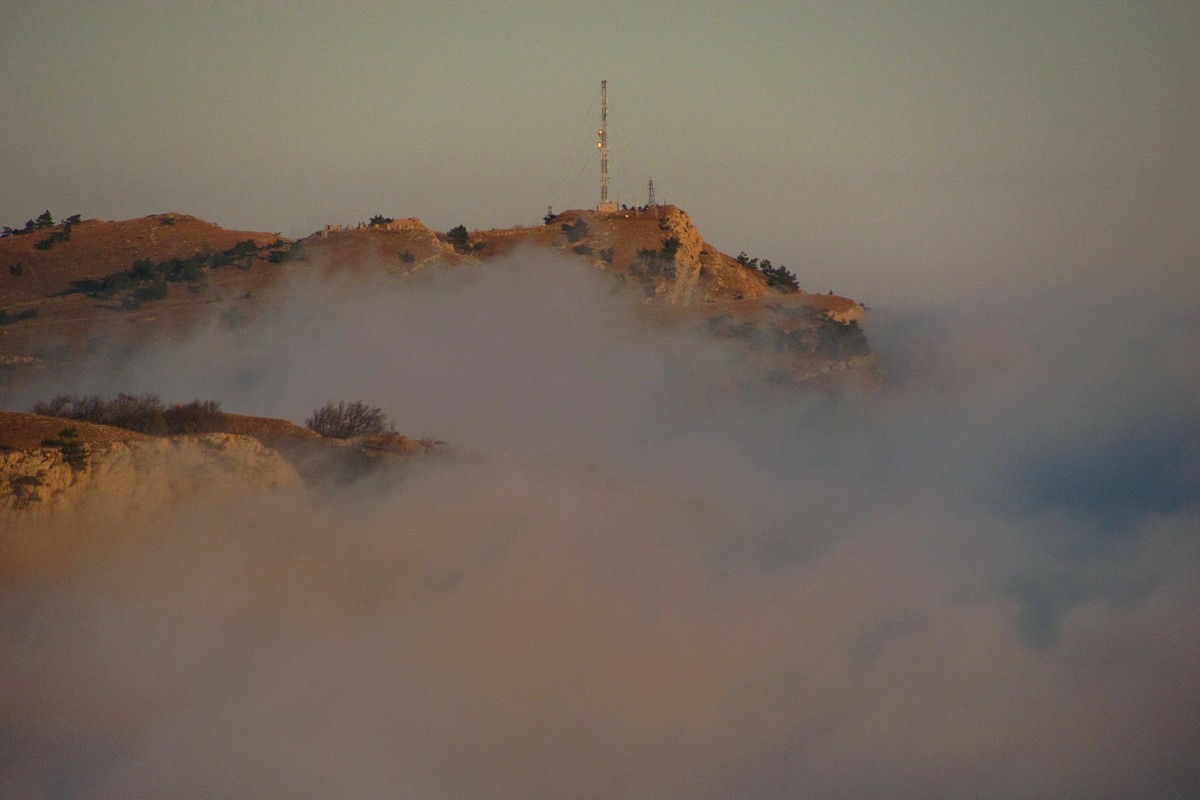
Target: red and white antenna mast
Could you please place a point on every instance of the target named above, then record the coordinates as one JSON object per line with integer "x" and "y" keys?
{"x": 604, "y": 206}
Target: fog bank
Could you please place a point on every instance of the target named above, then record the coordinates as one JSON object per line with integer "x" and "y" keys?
{"x": 652, "y": 576}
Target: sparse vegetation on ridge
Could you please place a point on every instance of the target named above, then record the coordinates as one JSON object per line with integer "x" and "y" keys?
{"x": 198, "y": 416}
{"x": 146, "y": 280}
{"x": 136, "y": 412}
{"x": 43, "y": 220}
{"x": 58, "y": 236}
{"x": 143, "y": 413}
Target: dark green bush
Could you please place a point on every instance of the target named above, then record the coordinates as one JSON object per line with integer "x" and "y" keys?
{"x": 458, "y": 237}
{"x": 576, "y": 230}
{"x": 8, "y": 319}
{"x": 74, "y": 452}
{"x": 24, "y": 489}
{"x": 655, "y": 262}
{"x": 184, "y": 270}
{"x": 143, "y": 270}
{"x": 283, "y": 253}
{"x": 779, "y": 276}
{"x": 156, "y": 290}
{"x": 843, "y": 339}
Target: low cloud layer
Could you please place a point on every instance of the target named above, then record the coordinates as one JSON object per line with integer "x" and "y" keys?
{"x": 653, "y": 577}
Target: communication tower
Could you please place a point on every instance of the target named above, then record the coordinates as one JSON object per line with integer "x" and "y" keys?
{"x": 605, "y": 206}
{"x": 651, "y": 203}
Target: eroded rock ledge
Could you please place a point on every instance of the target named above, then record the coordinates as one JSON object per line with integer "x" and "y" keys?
{"x": 52, "y": 511}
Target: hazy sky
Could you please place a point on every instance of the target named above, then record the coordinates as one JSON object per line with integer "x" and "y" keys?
{"x": 896, "y": 152}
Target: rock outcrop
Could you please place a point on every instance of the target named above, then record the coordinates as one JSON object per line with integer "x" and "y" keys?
{"x": 56, "y": 501}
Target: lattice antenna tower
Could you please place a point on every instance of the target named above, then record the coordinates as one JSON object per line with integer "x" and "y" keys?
{"x": 605, "y": 205}
{"x": 651, "y": 203}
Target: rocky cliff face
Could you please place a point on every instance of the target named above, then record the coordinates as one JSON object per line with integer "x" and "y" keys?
{"x": 40, "y": 482}
{"x": 680, "y": 285}
{"x": 50, "y": 507}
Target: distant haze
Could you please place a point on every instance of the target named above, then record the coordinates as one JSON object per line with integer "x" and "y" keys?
{"x": 901, "y": 154}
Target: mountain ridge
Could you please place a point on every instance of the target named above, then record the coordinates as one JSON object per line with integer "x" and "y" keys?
{"x": 60, "y": 284}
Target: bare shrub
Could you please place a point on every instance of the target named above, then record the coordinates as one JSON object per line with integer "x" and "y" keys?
{"x": 198, "y": 416}
{"x": 89, "y": 408}
{"x": 58, "y": 406}
{"x": 137, "y": 412}
{"x": 347, "y": 420}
